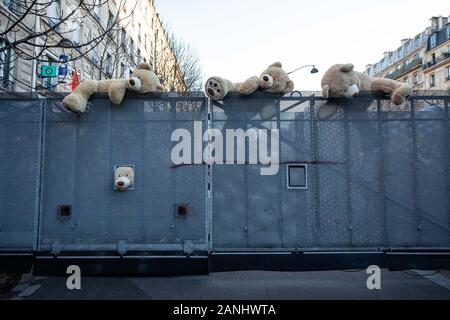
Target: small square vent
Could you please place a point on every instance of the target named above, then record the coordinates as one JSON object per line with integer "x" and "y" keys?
{"x": 297, "y": 177}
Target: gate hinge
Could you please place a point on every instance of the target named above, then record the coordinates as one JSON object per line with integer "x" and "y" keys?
{"x": 56, "y": 248}
{"x": 188, "y": 247}
{"x": 122, "y": 248}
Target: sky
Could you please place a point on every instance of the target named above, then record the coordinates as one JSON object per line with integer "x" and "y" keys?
{"x": 237, "y": 39}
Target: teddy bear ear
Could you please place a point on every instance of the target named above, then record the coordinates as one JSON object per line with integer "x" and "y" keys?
{"x": 347, "y": 67}
{"x": 145, "y": 66}
{"x": 276, "y": 64}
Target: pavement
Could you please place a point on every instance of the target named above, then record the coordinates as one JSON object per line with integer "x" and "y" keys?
{"x": 257, "y": 285}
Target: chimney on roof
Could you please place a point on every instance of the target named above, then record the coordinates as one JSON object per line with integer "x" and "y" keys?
{"x": 434, "y": 24}
{"x": 442, "y": 21}
{"x": 404, "y": 41}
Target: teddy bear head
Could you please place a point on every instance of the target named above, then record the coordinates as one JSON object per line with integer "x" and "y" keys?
{"x": 340, "y": 81}
{"x": 275, "y": 80}
{"x": 124, "y": 178}
{"x": 143, "y": 80}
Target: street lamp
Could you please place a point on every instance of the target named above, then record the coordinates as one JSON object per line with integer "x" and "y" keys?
{"x": 65, "y": 43}
{"x": 314, "y": 70}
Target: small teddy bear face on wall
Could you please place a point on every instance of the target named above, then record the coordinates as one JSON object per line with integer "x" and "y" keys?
{"x": 124, "y": 178}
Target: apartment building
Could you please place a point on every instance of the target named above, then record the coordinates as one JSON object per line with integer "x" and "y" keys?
{"x": 121, "y": 34}
{"x": 422, "y": 61}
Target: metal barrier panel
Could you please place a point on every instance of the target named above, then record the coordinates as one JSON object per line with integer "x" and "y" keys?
{"x": 20, "y": 161}
{"x": 81, "y": 153}
{"x": 377, "y": 177}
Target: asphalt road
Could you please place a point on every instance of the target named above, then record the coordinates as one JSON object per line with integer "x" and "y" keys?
{"x": 242, "y": 286}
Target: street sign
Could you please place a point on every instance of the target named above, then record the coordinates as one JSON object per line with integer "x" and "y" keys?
{"x": 49, "y": 71}
{"x": 62, "y": 71}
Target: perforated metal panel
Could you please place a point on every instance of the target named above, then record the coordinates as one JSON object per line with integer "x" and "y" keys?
{"x": 20, "y": 159}
{"x": 379, "y": 177}
{"x": 80, "y": 155}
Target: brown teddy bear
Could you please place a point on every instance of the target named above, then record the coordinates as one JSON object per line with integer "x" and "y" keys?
{"x": 273, "y": 80}
{"x": 341, "y": 81}
{"x": 143, "y": 81}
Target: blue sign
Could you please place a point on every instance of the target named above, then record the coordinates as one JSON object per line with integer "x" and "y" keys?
{"x": 62, "y": 70}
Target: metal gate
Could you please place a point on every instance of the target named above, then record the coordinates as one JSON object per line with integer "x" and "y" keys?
{"x": 373, "y": 183}
{"x": 20, "y": 163}
{"x": 371, "y": 179}
{"x": 80, "y": 155}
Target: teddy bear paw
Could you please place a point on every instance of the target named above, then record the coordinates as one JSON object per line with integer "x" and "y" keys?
{"x": 401, "y": 94}
{"x": 215, "y": 89}
{"x": 74, "y": 103}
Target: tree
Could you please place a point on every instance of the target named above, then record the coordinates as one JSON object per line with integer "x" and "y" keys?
{"x": 34, "y": 26}
{"x": 177, "y": 64}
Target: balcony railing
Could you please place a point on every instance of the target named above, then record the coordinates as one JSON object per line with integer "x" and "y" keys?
{"x": 405, "y": 69}
{"x": 443, "y": 57}
{"x": 12, "y": 6}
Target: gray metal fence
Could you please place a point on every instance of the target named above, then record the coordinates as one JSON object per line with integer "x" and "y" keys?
{"x": 378, "y": 178}
{"x": 373, "y": 179}
{"x": 20, "y": 162}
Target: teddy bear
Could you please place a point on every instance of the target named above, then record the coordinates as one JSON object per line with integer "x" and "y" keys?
{"x": 272, "y": 80}
{"x": 124, "y": 178}
{"x": 341, "y": 81}
{"x": 143, "y": 81}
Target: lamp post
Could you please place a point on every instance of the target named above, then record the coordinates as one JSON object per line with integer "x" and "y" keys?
{"x": 314, "y": 70}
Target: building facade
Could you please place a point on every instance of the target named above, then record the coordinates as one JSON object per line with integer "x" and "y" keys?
{"x": 106, "y": 40}
{"x": 423, "y": 61}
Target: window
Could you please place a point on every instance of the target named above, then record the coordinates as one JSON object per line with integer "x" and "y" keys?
{"x": 448, "y": 32}
{"x": 448, "y": 73}
{"x": 433, "y": 41}
{"x": 123, "y": 37}
{"x": 12, "y": 6}
{"x": 432, "y": 81}
{"x": 417, "y": 78}
{"x": 96, "y": 11}
{"x": 139, "y": 59}
{"x": 5, "y": 66}
{"x": 94, "y": 53}
{"x": 139, "y": 31}
{"x": 76, "y": 32}
{"x": 110, "y": 20}
{"x": 54, "y": 12}
{"x": 109, "y": 65}
{"x": 132, "y": 48}
{"x": 420, "y": 78}
{"x": 122, "y": 70}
